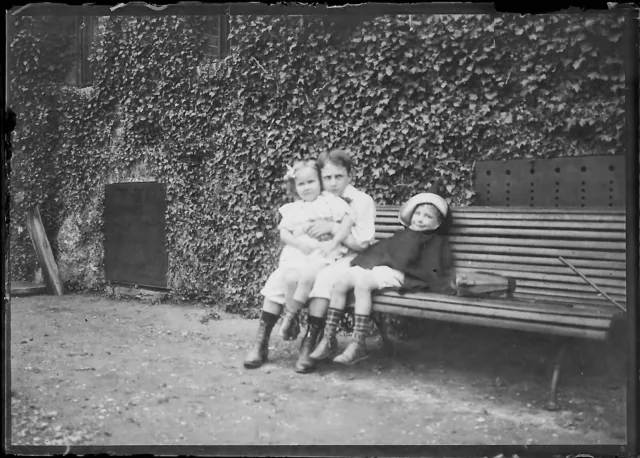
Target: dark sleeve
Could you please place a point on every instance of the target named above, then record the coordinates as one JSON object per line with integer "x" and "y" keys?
{"x": 395, "y": 252}
{"x": 371, "y": 255}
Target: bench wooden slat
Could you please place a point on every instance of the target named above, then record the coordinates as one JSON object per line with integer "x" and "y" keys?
{"x": 507, "y": 211}
{"x": 470, "y": 239}
{"x": 460, "y": 256}
{"x": 594, "y": 218}
{"x": 593, "y": 311}
{"x": 571, "y": 287}
{"x": 593, "y": 274}
{"x": 580, "y": 303}
{"x": 575, "y": 244}
{"x": 493, "y": 322}
{"x": 391, "y": 222}
{"x": 539, "y": 233}
{"x": 519, "y": 246}
{"x": 535, "y": 251}
{"x": 548, "y": 277}
{"x": 523, "y": 214}
{"x": 575, "y": 225}
{"x": 524, "y": 208}
{"x": 538, "y": 316}
{"x": 577, "y": 296}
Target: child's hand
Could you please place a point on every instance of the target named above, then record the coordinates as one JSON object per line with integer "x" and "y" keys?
{"x": 319, "y": 228}
{"x": 309, "y": 245}
{"x": 301, "y": 229}
{"x": 326, "y": 248}
{"x": 298, "y": 231}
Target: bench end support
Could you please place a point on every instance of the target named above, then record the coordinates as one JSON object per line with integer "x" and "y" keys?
{"x": 381, "y": 323}
{"x": 553, "y": 394}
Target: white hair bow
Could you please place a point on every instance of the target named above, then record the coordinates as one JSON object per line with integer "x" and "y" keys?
{"x": 291, "y": 173}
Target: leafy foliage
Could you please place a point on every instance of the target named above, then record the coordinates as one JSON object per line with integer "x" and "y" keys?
{"x": 414, "y": 98}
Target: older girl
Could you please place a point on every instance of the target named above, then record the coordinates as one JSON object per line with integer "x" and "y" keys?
{"x": 302, "y": 256}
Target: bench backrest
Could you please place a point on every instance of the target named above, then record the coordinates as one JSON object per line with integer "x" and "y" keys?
{"x": 525, "y": 243}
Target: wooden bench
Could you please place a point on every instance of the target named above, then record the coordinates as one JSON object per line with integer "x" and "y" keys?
{"x": 525, "y": 244}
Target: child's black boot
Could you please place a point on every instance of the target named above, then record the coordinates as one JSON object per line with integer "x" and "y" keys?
{"x": 260, "y": 350}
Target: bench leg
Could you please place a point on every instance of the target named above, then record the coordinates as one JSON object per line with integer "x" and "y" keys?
{"x": 381, "y": 323}
{"x": 553, "y": 394}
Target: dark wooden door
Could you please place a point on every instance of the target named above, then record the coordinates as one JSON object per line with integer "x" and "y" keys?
{"x": 135, "y": 234}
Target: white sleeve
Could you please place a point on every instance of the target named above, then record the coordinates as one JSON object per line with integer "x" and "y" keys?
{"x": 363, "y": 230}
{"x": 290, "y": 217}
{"x": 339, "y": 209}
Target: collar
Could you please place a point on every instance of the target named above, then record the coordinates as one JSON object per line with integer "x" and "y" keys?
{"x": 349, "y": 192}
{"x": 423, "y": 234}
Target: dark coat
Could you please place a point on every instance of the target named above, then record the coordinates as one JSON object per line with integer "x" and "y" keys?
{"x": 424, "y": 257}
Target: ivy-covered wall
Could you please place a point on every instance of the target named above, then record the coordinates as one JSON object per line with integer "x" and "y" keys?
{"x": 414, "y": 98}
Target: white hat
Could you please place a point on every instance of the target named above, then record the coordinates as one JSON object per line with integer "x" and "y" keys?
{"x": 406, "y": 211}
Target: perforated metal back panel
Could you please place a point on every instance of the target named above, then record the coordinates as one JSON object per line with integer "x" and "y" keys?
{"x": 579, "y": 181}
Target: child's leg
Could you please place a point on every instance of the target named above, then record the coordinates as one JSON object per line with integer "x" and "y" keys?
{"x": 362, "y": 290}
{"x": 329, "y": 343}
{"x": 299, "y": 283}
{"x": 290, "y": 326}
{"x": 260, "y": 349}
{"x": 305, "y": 283}
{"x": 274, "y": 294}
{"x": 356, "y": 350}
{"x": 291, "y": 278}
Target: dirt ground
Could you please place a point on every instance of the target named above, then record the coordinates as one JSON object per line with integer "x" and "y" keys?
{"x": 89, "y": 370}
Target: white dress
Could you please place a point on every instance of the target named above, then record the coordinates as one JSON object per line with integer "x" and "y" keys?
{"x": 299, "y": 215}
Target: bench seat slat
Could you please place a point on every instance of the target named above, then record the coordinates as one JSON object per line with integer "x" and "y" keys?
{"x": 620, "y": 211}
{"x": 542, "y": 210}
{"x": 539, "y": 233}
{"x": 575, "y": 244}
{"x": 593, "y": 274}
{"x": 558, "y": 225}
{"x": 570, "y": 287}
{"x": 470, "y": 239}
{"x": 566, "y": 331}
{"x": 577, "y": 296}
{"x": 504, "y": 313}
{"x": 536, "y": 261}
{"x": 540, "y": 242}
{"x": 551, "y": 252}
{"x": 580, "y": 303}
{"x": 549, "y": 277}
{"x": 617, "y": 218}
{"x": 389, "y": 222}
{"x": 593, "y": 311}
{"x": 468, "y": 213}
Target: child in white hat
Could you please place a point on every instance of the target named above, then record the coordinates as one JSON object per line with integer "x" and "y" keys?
{"x": 416, "y": 258}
